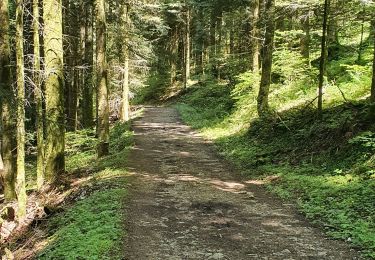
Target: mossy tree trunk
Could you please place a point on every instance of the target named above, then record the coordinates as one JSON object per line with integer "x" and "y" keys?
{"x": 87, "y": 101}
{"x": 20, "y": 180}
{"x": 323, "y": 57}
{"x": 101, "y": 77}
{"x": 7, "y": 104}
{"x": 125, "y": 114}
{"x": 38, "y": 97}
{"x": 263, "y": 106}
{"x": 54, "y": 89}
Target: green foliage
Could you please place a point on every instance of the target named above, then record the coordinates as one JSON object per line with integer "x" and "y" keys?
{"x": 342, "y": 204}
{"x": 91, "y": 229}
{"x": 365, "y": 139}
{"x": 213, "y": 102}
{"x": 156, "y": 87}
{"x": 80, "y": 149}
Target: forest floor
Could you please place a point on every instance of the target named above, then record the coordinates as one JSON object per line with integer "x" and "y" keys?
{"x": 186, "y": 202}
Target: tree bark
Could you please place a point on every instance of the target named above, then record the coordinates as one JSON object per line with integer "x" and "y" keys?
{"x": 267, "y": 50}
{"x": 7, "y": 103}
{"x": 73, "y": 66}
{"x": 323, "y": 56}
{"x": 373, "y": 66}
{"x": 174, "y": 54}
{"x": 305, "y": 39}
{"x": 255, "y": 35}
{"x": 38, "y": 96}
{"x": 187, "y": 48}
{"x": 20, "y": 180}
{"x": 101, "y": 76}
{"x": 54, "y": 84}
{"x": 125, "y": 114}
{"x": 87, "y": 102}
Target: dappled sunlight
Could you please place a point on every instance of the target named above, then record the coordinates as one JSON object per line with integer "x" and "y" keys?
{"x": 228, "y": 186}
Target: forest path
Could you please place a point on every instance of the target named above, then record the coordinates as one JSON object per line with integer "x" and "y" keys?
{"x": 185, "y": 202}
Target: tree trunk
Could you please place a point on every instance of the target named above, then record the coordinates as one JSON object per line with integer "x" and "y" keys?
{"x": 212, "y": 38}
{"x": 20, "y": 183}
{"x": 125, "y": 115}
{"x": 7, "y": 103}
{"x": 360, "y": 49}
{"x": 373, "y": 66}
{"x": 187, "y": 49}
{"x": 323, "y": 56}
{"x": 87, "y": 102}
{"x": 82, "y": 68}
{"x": 305, "y": 39}
{"x": 255, "y": 35}
{"x": 54, "y": 84}
{"x": 263, "y": 106}
{"x": 174, "y": 54}
{"x": 73, "y": 65}
{"x": 38, "y": 97}
{"x": 101, "y": 76}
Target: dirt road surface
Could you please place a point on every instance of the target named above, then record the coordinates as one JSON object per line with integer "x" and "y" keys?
{"x": 185, "y": 202}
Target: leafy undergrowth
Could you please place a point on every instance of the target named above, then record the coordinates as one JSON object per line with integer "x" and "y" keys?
{"x": 87, "y": 221}
{"x": 326, "y": 165}
{"x": 91, "y": 228}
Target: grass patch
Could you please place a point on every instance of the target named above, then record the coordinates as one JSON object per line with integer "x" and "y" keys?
{"x": 91, "y": 225}
{"x": 91, "y": 229}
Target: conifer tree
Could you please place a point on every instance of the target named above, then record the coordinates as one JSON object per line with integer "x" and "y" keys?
{"x": 20, "y": 76}
{"x": 267, "y": 50}
{"x": 7, "y": 105}
{"x": 101, "y": 77}
{"x": 38, "y": 96}
{"x": 54, "y": 85}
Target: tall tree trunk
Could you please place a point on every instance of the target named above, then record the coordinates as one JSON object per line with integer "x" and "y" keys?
{"x": 125, "y": 114}
{"x": 20, "y": 183}
{"x": 305, "y": 39}
{"x": 323, "y": 56}
{"x": 87, "y": 102}
{"x": 174, "y": 54}
{"x": 7, "y": 104}
{"x": 38, "y": 97}
{"x": 101, "y": 76}
{"x": 73, "y": 65}
{"x": 54, "y": 84}
{"x": 82, "y": 68}
{"x": 373, "y": 66}
{"x": 187, "y": 48}
{"x": 263, "y": 106}
{"x": 360, "y": 49}
{"x": 231, "y": 37}
{"x": 212, "y": 38}
{"x": 255, "y": 52}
